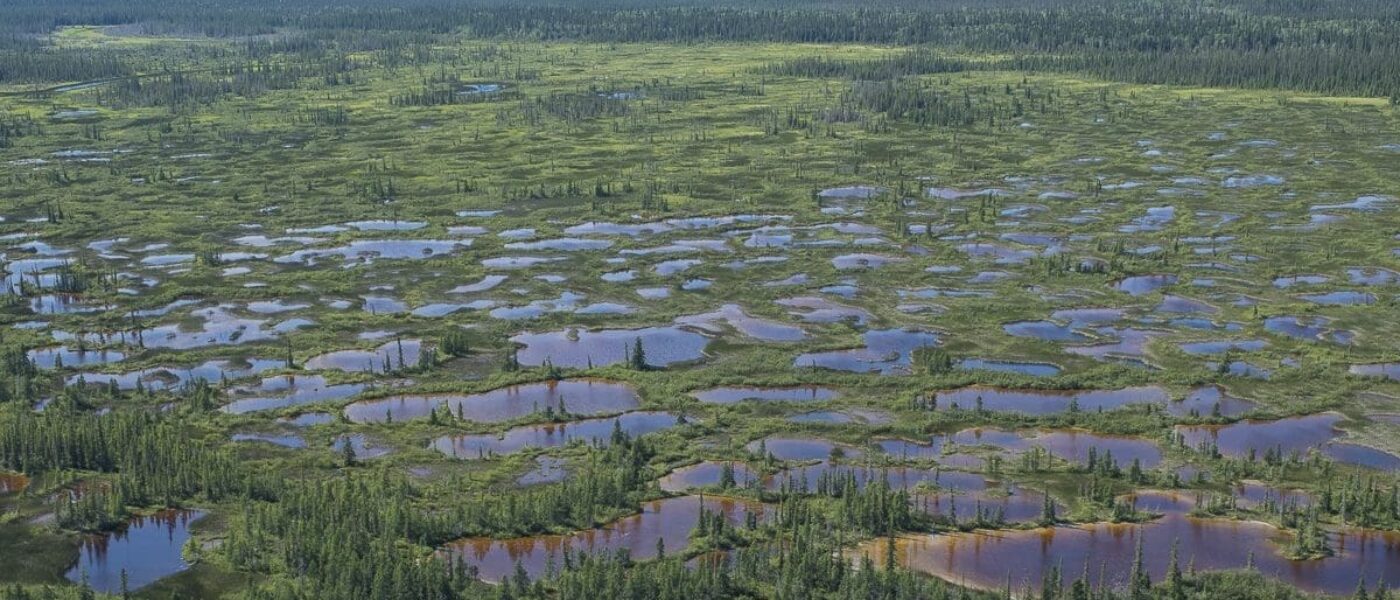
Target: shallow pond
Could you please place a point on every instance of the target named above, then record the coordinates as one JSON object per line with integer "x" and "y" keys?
{"x": 991, "y": 559}
{"x": 1366, "y": 456}
{"x": 1220, "y": 347}
{"x": 560, "y": 245}
{"x": 517, "y": 262}
{"x": 387, "y": 225}
{"x": 370, "y": 250}
{"x": 287, "y": 390}
{"x": 1079, "y": 447}
{"x": 576, "y": 348}
{"x": 1372, "y": 276}
{"x": 854, "y": 192}
{"x": 1342, "y": 298}
{"x": 1209, "y": 400}
{"x": 799, "y": 448}
{"x": 814, "y": 309}
{"x": 1045, "y": 402}
{"x": 1001, "y": 255}
{"x": 843, "y": 417}
{"x": 547, "y": 469}
{"x": 551, "y": 435}
{"x": 667, "y": 523}
{"x": 1305, "y": 328}
{"x": 1011, "y": 503}
{"x": 732, "y": 395}
{"x": 363, "y": 446}
{"x": 886, "y": 351}
{"x": 308, "y": 419}
{"x": 744, "y": 323}
{"x": 1182, "y": 305}
{"x": 65, "y": 357}
{"x": 486, "y": 283}
{"x": 383, "y": 305}
{"x": 1387, "y": 370}
{"x": 1144, "y": 284}
{"x": 392, "y": 356}
{"x": 1294, "y": 434}
{"x": 570, "y": 397}
{"x": 1044, "y": 330}
{"x": 616, "y": 229}
{"x": 220, "y": 327}
{"x": 146, "y": 549}
{"x": 705, "y": 474}
{"x": 1289, "y": 281}
{"x": 852, "y": 262}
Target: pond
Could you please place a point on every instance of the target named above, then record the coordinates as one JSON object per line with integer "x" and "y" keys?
{"x": 486, "y": 283}
{"x": 65, "y": 357}
{"x": 1341, "y": 298}
{"x": 1045, "y": 402}
{"x": 705, "y": 474}
{"x": 560, "y": 245}
{"x": 814, "y": 309}
{"x": 370, "y": 250}
{"x": 362, "y": 445}
{"x": 1294, "y": 434}
{"x": 666, "y": 523}
{"x": 843, "y": 417}
{"x": 617, "y": 229}
{"x": 1387, "y": 370}
{"x": 852, "y": 262}
{"x": 1144, "y": 284}
{"x": 1080, "y": 447}
{"x": 547, "y": 469}
{"x": 1220, "y": 347}
{"x": 758, "y": 328}
{"x": 736, "y": 394}
{"x": 287, "y": 390}
{"x": 799, "y": 448}
{"x": 395, "y": 355}
{"x": 886, "y": 351}
{"x": 854, "y": 192}
{"x": 1307, "y": 328}
{"x": 1045, "y": 330}
{"x": 579, "y": 348}
{"x": 220, "y": 327}
{"x": 1001, "y": 255}
{"x": 990, "y": 559}
{"x": 171, "y": 378}
{"x": 146, "y": 549}
{"x": 1207, "y": 401}
{"x": 1071, "y": 445}
{"x": 1182, "y": 305}
{"x": 566, "y": 397}
{"x": 551, "y": 435}
{"x": 387, "y": 225}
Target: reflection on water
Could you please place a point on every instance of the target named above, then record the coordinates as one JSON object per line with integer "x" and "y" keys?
{"x": 146, "y": 549}
{"x": 663, "y": 523}
{"x": 990, "y": 559}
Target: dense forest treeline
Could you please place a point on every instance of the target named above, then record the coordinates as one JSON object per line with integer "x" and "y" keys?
{"x": 1325, "y": 46}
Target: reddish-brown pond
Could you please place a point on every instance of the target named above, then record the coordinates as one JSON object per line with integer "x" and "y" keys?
{"x": 989, "y": 559}
{"x": 667, "y": 521}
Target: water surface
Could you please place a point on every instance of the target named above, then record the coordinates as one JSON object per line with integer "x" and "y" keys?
{"x": 147, "y": 549}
